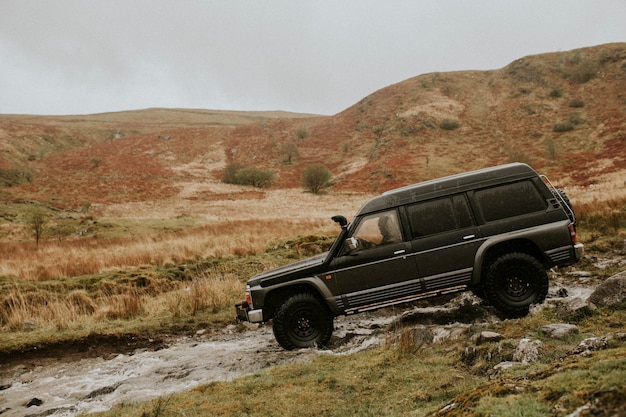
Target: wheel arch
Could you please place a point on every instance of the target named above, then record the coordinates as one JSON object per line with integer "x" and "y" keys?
{"x": 277, "y": 296}
{"x": 490, "y": 252}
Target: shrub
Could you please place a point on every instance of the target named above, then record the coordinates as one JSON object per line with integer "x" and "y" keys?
{"x": 11, "y": 177}
{"x": 290, "y": 152}
{"x": 577, "y": 103}
{"x": 254, "y": 176}
{"x": 316, "y": 178}
{"x": 236, "y": 173}
{"x": 563, "y": 127}
{"x": 575, "y": 119}
{"x": 230, "y": 172}
{"x": 302, "y": 133}
{"x": 449, "y": 124}
{"x": 556, "y": 93}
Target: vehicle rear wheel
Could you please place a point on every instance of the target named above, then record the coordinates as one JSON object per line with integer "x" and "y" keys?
{"x": 301, "y": 322}
{"x": 515, "y": 281}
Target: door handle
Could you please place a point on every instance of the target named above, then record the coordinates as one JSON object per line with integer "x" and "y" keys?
{"x": 469, "y": 237}
{"x": 399, "y": 252}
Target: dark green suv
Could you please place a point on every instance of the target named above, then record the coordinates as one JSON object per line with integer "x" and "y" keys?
{"x": 493, "y": 231}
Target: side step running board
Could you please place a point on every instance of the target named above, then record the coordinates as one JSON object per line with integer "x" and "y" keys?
{"x": 411, "y": 298}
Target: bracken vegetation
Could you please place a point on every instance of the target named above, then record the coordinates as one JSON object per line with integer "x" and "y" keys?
{"x": 148, "y": 231}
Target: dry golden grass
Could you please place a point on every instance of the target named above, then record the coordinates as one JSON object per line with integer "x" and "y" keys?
{"x": 86, "y": 284}
{"x": 25, "y": 310}
{"x": 57, "y": 260}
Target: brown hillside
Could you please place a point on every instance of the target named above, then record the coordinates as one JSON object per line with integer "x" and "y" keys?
{"x": 564, "y": 113}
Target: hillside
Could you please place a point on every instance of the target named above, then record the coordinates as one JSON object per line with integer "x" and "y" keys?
{"x": 564, "y": 113}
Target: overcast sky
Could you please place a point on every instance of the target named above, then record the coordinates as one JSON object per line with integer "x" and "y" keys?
{"x": 80, "y": 56}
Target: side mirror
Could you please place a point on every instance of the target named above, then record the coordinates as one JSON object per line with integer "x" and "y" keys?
{"x": 343, "y": 222}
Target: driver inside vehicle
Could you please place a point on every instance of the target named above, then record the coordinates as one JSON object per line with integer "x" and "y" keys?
{"x": 375, "y": 230}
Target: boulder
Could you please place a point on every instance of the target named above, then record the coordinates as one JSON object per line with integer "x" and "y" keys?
{"x": 506, "y": 365}
{"x": 591, "y": 344}
{"x": 527, "y": 351}
{"x": 573, "y": 307}
{"x": 488, "y": 337}
{"x": 611, "y": 291}
{"x": 559, "y": 330}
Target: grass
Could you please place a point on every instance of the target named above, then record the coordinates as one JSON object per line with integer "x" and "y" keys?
{"x": 149, "y": 277}
{"x": 427, "y": 380}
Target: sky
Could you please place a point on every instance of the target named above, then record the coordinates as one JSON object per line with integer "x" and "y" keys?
{"x": 67, "y": 57}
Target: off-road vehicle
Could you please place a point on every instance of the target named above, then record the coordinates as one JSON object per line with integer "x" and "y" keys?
{"x": 494, "y": 231}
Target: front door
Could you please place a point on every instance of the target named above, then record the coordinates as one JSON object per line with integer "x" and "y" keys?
{"x": 378, "y": 266}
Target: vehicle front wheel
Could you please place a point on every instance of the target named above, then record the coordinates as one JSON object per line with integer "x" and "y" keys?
{"x": 302, "y": 322}
{"x": 515, "y": 281}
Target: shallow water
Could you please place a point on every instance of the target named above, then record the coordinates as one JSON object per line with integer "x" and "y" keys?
{"x": 97, "y": 384}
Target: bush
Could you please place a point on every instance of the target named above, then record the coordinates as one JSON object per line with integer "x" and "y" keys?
{"x": 556, "y": 93}
{"x": 315, "y": 178}
{"x": 302, "y": 133}
{"x": 236, "y": 173}
{"x": 11, "y": 177}
{"x": 230, "y": 172}
{"x": 563, "y": 127}
{"x": 575, "y": 119}
{"x": 577, "y": 103}
{"x": 449, "y": 124}
{"x": 254, "y": 176}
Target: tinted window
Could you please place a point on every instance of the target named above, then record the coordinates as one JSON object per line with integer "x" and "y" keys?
{"x": 438, "y": 216}
{"x": 509, "y": 200}
{"x": 379, "y": 229}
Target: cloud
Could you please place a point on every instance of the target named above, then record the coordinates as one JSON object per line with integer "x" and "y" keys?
{"x": 76, "y": 57}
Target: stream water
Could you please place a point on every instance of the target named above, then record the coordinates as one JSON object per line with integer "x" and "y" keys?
{"x": 97, "y": 384}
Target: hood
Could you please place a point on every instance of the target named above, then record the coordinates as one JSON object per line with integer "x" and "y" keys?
{"x": 291, "y": 271}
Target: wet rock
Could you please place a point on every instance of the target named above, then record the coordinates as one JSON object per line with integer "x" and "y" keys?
{"x": 488, "y": 337}
{"x": 34, "y": 402}
{"x": 559, "y": 330}
{"x": 575, "y": 307}
{"x": 611, "y": 291}
{"x": 5, "y": 385}
{"x": 527, "y": 351}
{"x": 102, "y": 391}
{"x": 580, "y": 274}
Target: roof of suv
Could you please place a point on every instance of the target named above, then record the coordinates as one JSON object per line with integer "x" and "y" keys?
{"x": 446, "y": 185}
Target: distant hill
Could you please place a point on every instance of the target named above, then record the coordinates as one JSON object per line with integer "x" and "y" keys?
{"x": 564, "y": 113}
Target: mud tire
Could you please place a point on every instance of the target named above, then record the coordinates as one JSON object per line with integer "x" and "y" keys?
{"x": 515, "y": 281}
{"x": 302, "y": 322}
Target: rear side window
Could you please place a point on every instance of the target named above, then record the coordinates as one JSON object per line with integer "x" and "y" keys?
{"x": 509, "y": 200}
{"x": 438, "y": 216}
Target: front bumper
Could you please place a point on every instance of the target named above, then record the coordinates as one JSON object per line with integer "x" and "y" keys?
{"x": 244, "y": 313}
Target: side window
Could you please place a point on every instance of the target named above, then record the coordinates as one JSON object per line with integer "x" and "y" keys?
{"x": 440, "y": 215}
{"x": 378, "y": 229}
{"x": 509, "y": 200}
